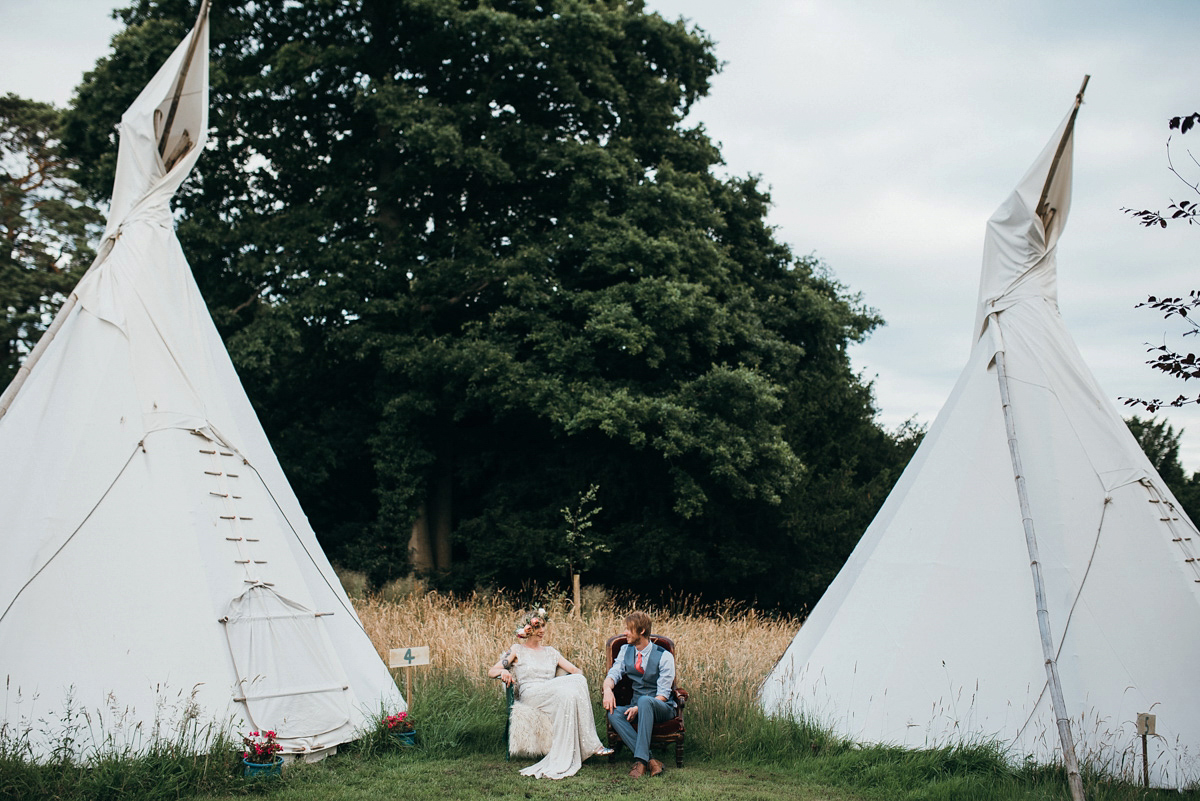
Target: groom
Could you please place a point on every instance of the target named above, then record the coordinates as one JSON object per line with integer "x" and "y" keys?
{"x": 651, "y": 668}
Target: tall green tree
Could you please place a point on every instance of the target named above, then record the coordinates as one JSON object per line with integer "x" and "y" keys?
{"x": 45, "y": 226}
{"x": 469, "y": 257}
{"x": 1160, "y": 442}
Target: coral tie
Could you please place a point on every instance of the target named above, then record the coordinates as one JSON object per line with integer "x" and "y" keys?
{"x": 638, "y": 664}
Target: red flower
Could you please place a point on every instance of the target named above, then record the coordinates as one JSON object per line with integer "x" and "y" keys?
{"x": 399, "y": 721}
{"x": 262, "y": 750}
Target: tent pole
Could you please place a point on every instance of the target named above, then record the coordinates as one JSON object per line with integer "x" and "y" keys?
{"x": 23, "y": 371}
{"x": 1043, "y": 614}
{"x": 18, "y": 380}
{"x": 1042, "y": 211}
{"x": 183, "y": 71}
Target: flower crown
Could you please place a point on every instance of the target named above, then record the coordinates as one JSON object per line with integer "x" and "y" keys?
{"x": 536, "y": 617}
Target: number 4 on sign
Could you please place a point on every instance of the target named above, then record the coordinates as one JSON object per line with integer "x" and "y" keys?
{"x": 407, "y": 658}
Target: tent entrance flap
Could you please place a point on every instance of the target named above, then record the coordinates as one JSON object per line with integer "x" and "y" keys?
{"x": 288, "y": 675}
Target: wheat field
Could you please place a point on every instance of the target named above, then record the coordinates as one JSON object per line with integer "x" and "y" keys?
{"x": 722, "y": 651}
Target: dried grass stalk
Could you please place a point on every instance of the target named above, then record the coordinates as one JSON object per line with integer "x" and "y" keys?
{"x": 724, "y": 650}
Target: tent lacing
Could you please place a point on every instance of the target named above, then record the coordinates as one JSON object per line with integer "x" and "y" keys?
{"x": 1170, "y": 515}
{"x": 86, "y": 517}
{"x": 218, "y": 438}
{"x": 300, "y": 541}
{"x": 117, "y": 477}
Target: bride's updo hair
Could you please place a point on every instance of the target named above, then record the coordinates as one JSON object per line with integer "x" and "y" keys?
{"x": 534, "y": 618}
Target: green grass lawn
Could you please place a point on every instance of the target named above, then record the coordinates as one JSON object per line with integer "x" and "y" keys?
{"x": 418, "y": 777}
{"x": 866, "y": 774}
{"x": 733, "y": 752}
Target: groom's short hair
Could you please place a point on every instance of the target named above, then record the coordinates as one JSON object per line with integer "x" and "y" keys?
{"x": 639, "y": 622}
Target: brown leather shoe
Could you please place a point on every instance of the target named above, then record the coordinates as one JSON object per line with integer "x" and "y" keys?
{"x": 656, "y": 767}
{"x": 639, "y": 768}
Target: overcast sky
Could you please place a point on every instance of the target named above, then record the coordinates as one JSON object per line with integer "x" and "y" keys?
{"x": 888, "y": 132}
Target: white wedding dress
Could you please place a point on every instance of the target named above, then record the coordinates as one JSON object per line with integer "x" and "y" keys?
{"x": 567, "y": 701}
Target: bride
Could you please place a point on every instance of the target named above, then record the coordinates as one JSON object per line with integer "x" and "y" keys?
{"x": 565, "y": 699}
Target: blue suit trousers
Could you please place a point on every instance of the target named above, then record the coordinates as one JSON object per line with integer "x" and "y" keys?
{"x": 650, "y": 711}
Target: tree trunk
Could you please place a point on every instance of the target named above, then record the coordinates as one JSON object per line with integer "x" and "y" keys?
{"x": 420, "y": 553}
{"x": 575, "y": 589}
{"x": 443, "y": 517}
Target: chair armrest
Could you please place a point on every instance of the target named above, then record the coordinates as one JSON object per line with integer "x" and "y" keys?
{"x": 681, "y": 698}
{"x": 510, "y": 693}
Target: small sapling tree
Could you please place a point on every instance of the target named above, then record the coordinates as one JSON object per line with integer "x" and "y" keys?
{"x": 582, "y": 544}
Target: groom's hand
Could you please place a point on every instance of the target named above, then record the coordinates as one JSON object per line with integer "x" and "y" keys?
{"x": 608, "y": 701}
{"x": 631, "y": 713}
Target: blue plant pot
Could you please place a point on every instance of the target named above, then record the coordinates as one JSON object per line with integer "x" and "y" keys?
{"x": 405, "y": 737}
{"x": 259, "y": 770}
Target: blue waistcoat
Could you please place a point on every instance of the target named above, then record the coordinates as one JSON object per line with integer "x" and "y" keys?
{"x": 644, "y": 683}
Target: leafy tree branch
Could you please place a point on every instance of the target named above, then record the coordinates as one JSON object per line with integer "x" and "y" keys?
{"x": 1183, "y": 366}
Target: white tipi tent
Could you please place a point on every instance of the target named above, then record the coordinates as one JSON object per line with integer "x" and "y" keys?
{"x": 155, "y": 565}
{"x": 930, "y": 633}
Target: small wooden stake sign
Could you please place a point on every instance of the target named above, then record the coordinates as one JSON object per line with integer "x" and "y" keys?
{"x": 1145, "y": 727}
{"x": 407, "y": 658}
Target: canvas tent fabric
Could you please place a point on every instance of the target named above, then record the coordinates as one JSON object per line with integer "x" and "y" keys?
{"x": 929, "y": 634}
{"x": 157, "y": 567}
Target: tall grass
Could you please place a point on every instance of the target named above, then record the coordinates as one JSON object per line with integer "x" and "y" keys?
{"x": 87, "y": 766}
{"x": 722, "y": 649}
{"x": 723, "y": 653}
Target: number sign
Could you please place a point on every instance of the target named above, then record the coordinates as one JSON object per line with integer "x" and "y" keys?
{"x": 408, "y": 657}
